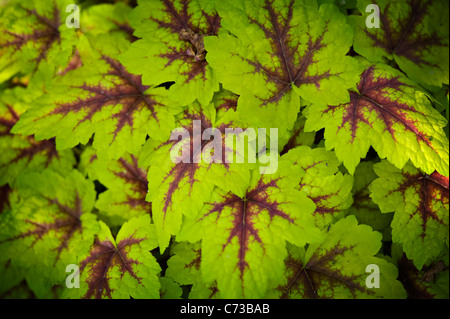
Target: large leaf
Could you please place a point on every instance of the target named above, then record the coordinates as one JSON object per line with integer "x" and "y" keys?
{"x": 329, "y": 189}
{"x": 420, "y": 203}
{"x": 244, "y": 237}
{"x": 100, "y": 97}
{"x": 278, "y": 51}
{"x": 121, "y": 267}
{"x": 388, "y": 112}
{"x": 172, "y": 49}
{"x": 24, "y": 152}
{"x": 180, "y": 183}
{"x": 336, "y": 267}
{"x": 53, "y": 219}
{"x": 413, "y": 33}
{"x": 33, "y": 32}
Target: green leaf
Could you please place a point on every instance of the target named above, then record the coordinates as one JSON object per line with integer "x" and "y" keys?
{"x": 363, "y": 207}
{"x": 170, "y": 289}
{"x": 53, "y": 219}
{"x": 107, "y": 18}
{"x": 121, "y": 267}
{"x": 413, "y": 33}
{"x": 336, "y": 267}
{"x": 126, "y": 187}
{"x": 24, "y": 153}
{"x": 420, "y": 205}
{"x": 322, "y": 182}
{"x": 184, "y": 268}
{"x": 278, "y": 52}
{"x": 299, "y": 136}
{"x": 100, "y": 97}
{"x": 180, "y": 183}
{"x": 244, "y": 237}
{"x": 389, "y": 113}
{"x": 172, "y": 49}
{"x": 34, "y": 32}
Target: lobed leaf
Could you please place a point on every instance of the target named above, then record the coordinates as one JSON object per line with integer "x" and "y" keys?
{"x": 276, "y": 52}
{"x": 389, "y": 113}
{"x": 413, "y": 33}
{"x": 121, "y": 267}
{"x": 244, "y": 236}
{"x": 172, "y": 33}
{"x": 100, "y": 97}
{"x": 336, "y": 267}
{"x": 420, "y": 205}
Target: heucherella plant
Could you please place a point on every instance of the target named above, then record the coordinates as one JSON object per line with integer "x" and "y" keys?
{"x": 224, "y": 149}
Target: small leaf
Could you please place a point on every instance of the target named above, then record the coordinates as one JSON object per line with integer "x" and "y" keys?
{"x": 390, "y": 113}
{"x": 33, "y": 32}
{"x": 186, "y": 179}
{"x": 363, "y": 207}
{"x": 24, "y": 152}
{"x": 413, "y": 33}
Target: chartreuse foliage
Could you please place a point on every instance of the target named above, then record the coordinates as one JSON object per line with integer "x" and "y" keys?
{"x": 115, "y": 158}
{"x": 336, "y": 267}
{"x": 413, "y": 33}
{"x": 420, "y": 205}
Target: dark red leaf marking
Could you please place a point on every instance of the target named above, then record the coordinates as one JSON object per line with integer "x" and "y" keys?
{"x": 46, "y": 34}
{"x": 292, "y": 143}
{"x": 125, "y": 27}
{"x": 129, "y": 92}
{"x": 292, "y": 70}
{"x": 45, "y": 147}
{"x": 105, "y": 255}
{"x": 7, "y": 122}
{"x": 372, "y": 95}
{"x": 5, "y": 190}
{"x": 186, "y": 168}
{"x": 430, "y": 189}
{"x": 136, "y": 177}
{"x": 305, "y": 279}
{"x": 229, "y": 104}
{"x": 413, "y": 280}
{"x": 192, "y": 53}
{"x": 403, "y": 39}
{"x": 245, "y": 212}
{"x": 64, "y": 226}
{"x": 74, "y": 63}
